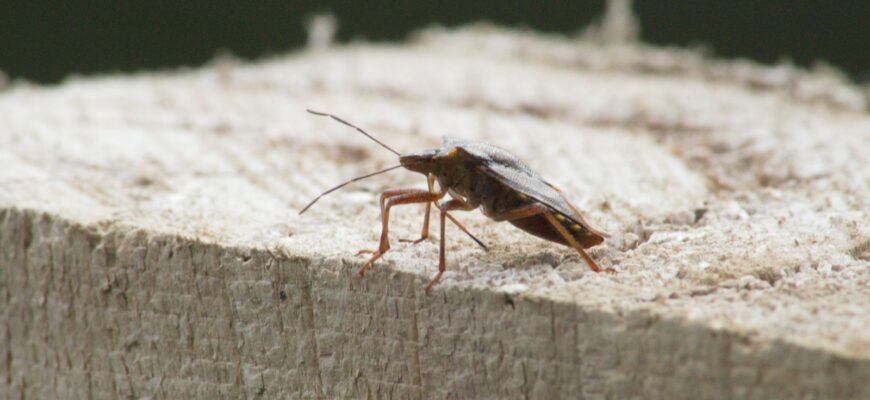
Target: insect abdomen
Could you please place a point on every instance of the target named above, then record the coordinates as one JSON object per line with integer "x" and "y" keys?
{"x": 539, "y": 226}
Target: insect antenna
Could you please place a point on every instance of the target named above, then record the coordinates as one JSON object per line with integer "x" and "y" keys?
{"x": 359, "y": 178}
{"x": 358, "y": 129}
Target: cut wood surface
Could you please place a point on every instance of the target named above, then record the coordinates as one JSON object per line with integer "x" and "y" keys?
{"x": 151, "y": 245}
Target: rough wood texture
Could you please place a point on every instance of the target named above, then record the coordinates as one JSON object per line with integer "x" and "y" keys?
{"x": 151, "y": 245}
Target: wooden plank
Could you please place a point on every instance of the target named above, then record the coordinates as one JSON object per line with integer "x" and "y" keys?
{"x": 151, "y": 247}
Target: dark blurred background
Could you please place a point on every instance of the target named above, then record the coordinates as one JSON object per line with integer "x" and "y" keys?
{"x": 45, "y": 41}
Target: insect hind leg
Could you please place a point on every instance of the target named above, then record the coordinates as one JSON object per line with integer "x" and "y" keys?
{"x": 531, "y": 210}
{"x": 573, "y": 243}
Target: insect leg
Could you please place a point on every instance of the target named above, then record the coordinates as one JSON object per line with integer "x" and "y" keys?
{"x": 539, "y": 209}
{"x": 399, "y": 196}
{"x": 442, "y": 264}
{"x": 464, "y": 229}
{"x": 520, "y": 212}
{"x": 386, "y": 194}
{"x": 425, "y": 234}
{"x": 564, "y": 232}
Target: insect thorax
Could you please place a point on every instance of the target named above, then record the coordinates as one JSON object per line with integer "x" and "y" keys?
{"x": 476, "y": 188}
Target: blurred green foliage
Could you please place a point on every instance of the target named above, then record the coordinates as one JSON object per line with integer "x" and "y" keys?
{"x": 46, "y": 41}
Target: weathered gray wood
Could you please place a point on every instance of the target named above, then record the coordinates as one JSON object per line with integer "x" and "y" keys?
{"x": 150, "y": 244}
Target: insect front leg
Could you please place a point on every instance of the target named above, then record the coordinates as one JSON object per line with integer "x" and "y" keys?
{"x": 394, "y": 198}
{"x": 425, "y": 233}
{"x": 531, "y": 210}
{"x": 387, "y": 194}
{"x": 454, "y": 204}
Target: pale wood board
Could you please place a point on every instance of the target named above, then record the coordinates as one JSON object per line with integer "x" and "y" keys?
{"x": 150, "y": 244}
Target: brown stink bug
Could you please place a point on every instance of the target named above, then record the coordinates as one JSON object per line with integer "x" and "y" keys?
{"x": 478, "y": 174}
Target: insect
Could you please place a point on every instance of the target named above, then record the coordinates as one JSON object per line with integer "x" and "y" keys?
{"x": 479, "y": 175}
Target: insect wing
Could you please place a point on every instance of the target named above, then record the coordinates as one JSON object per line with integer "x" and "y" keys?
{"x": 530, "y": 184}
{"x": 509, "y": 170}
{"x": 527, "y": 184}
{"x": 578, "y": 216}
